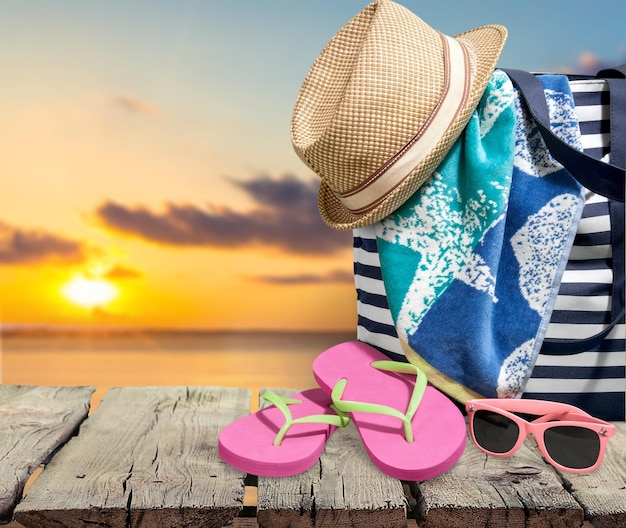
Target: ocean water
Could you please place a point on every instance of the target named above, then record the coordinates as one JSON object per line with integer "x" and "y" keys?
{"x": 252, "y": 360}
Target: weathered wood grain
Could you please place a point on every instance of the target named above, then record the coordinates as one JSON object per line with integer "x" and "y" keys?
{"x": 602, "y": 493}
{"x": 147, "y": 457}
{"x": 483, "y": 491}
{"x": 245, "y": 522}
{"x": 343, "y": 489}
{"x": 34, "y": 423}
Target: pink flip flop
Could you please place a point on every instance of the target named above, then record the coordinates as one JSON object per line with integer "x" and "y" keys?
{"x": 283, "y": 439}
{"x": 410, "y": 430}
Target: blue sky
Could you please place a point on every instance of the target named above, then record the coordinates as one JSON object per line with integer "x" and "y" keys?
{"x": 137, "y": 136}
{"x": 247, "y": 58}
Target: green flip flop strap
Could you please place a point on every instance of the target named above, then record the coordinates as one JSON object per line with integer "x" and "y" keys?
{"x": 421, "y": 382}
{"x": 282, "y": 403}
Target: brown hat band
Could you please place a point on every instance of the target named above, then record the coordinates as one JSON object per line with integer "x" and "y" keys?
{"x": 457, "y": 80}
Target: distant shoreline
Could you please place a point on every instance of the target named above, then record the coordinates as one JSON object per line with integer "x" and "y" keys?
{"x": 52, "y": 330}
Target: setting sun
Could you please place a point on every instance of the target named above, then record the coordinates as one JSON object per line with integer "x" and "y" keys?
{"x": 89, "y": 292}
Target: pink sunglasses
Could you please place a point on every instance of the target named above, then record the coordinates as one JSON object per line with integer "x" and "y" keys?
{"x": 570, "y": 439}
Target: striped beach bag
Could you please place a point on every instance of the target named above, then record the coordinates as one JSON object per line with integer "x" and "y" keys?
{"x": 583, "y": 357}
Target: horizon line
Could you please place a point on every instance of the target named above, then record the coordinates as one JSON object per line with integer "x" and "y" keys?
{"x": 42, "y": 328}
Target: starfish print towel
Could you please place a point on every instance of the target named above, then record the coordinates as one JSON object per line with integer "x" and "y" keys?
{"x": 472, "y": 262}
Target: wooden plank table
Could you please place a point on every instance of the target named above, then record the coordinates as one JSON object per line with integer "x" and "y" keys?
{"x": 602, "y": 494}
{"x": 524, "y": 491}
{"x": 34, "y": 422}
{"x": 147, "y": 457}
{"x": 342, "y": 489}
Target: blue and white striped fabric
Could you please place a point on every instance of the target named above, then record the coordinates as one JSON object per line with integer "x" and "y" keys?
{"x": 593, "y": 380}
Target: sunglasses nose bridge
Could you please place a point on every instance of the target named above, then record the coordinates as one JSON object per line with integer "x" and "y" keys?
{"x": 534, "y": 433}
{"x": 536, "y": 440}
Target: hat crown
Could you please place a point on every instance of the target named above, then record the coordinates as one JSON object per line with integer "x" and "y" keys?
{"x": 382, "y": 105}
{"x": 359, "y": 104}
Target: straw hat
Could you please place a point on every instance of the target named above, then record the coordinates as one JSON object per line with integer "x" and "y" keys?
{"x": 383, "y": 104}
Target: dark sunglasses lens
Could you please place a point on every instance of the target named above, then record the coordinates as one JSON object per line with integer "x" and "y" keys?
{"x": 494, "y": 432}
{"x": 571, "y": 446}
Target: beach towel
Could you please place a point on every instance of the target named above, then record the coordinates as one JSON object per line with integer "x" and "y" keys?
{"x": 471, "y": 264}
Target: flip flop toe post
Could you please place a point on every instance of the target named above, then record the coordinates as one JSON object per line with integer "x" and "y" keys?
{"x": 283, "y": 439}
{"x": 410, "y": 430}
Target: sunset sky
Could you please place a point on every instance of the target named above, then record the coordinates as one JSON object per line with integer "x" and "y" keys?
{"x": 147, "y": 174}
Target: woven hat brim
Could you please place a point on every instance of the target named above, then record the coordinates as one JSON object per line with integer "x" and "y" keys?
{"x": 487, "y": 42}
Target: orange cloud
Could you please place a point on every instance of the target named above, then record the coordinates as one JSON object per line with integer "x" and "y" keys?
{"x": 132, "y": 105}
{"x": 122, "y": 272}
{"x": 589, "y": 64}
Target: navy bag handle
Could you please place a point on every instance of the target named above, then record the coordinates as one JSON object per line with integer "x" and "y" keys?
{"x": 597, "y": 176}
{"x": 602, "y": 178}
